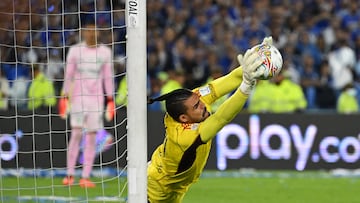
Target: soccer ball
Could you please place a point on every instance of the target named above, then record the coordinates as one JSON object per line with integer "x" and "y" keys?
{"x": 273, "y": 60}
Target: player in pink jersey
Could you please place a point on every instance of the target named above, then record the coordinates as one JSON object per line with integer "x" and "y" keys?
{"x": 88, "y": 80}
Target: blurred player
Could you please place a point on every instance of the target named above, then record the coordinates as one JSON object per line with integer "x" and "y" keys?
{"x": 179, "y": 160}
{"x": 88, "y": 74}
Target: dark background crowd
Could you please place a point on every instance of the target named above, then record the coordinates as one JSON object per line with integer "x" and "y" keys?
{"x": 188, "y": 41}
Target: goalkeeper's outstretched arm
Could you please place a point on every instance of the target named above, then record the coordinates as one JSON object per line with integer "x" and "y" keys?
{"x": 226, "y": 112}
{"x": 228, "y": 83}
{"x": 231, "y": 107}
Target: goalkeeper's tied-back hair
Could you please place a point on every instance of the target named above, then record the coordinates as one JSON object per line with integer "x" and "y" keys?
{"x": 174, "y": 102}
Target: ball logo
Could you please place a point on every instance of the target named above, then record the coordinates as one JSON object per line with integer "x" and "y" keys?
{"x": 271, "y": 67}
{"x": 272, "y": 60}
{"x": 264, "y": 50}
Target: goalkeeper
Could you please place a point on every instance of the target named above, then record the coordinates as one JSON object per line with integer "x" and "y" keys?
{"x": 88, "y": 74}
{"x": 179, "y": 160}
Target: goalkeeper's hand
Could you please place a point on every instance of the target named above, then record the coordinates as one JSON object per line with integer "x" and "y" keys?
{"x": 110, "y": 109}
{"x": 267, "y": 40}
{"x": 250, "y": 63}
{"x": 63, "y": 106}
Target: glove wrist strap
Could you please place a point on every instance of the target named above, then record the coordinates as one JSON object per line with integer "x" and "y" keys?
{"x": 246, "y": 88}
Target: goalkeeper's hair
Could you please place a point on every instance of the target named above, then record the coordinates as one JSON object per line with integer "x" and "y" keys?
{"x": 174, "y": 102}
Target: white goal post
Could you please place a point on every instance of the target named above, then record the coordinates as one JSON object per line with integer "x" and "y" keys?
{"x": 137, "y": 107}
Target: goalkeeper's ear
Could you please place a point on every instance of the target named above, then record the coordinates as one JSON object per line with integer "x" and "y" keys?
{"x": 267, "y": 40}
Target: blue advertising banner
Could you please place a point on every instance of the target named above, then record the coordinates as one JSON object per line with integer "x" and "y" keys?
{"x": 296, "y": 141}
{"x": 264, "y": 141}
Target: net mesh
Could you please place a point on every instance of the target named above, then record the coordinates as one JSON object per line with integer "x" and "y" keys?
{"x": 35, "y": 35}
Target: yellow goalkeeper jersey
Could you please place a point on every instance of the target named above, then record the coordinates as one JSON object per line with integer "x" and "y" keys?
{"x": 180, "y": 159}
{"x": 181, "y": 149}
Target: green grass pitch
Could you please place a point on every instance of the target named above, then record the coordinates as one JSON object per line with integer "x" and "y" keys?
{"x": 276, "y": 187}
{"x": 43, "y": 190}
{"x": 213, "y": 187}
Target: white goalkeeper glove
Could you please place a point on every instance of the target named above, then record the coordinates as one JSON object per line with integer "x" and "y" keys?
{"x": 250, "y": 63}
{"x": 267, "y": 40}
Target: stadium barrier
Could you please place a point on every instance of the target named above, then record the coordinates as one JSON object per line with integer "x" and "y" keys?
{"x": 263, "y": 141}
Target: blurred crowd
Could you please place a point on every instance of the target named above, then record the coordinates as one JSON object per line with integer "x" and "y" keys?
{"x": 191, "y": 42}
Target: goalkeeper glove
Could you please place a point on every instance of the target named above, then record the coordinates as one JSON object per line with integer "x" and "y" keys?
{"x": 110, "y": 109}
{"x": 63, "y": 106}
{"x": 250, "y": 63}
{"x": 267, "y": 40}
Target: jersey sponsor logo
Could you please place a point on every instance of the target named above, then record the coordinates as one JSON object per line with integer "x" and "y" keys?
{"x": 204, "y": 90}
{"x": 90, "y": 66}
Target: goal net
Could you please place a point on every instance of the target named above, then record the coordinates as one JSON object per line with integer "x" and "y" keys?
{"x": 35, "y": 39}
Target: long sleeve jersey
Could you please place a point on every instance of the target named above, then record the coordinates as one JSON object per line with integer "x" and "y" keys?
{"x": 88, "y": 77}
{"x": 190, "y": 143}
